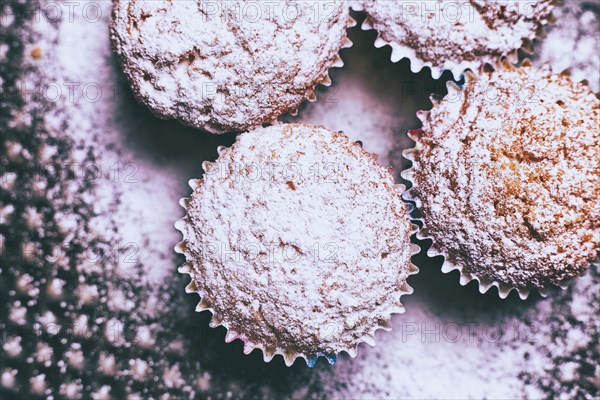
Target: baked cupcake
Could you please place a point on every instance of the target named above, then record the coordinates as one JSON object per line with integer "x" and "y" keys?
{"x": 455, "y": 35}
{"x": 227, "y": 65}
{"x": 298, "y": 242}
{"x": 506, "y": 174}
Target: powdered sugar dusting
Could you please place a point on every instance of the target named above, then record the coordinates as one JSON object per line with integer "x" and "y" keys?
{"x": 576, "y": 33}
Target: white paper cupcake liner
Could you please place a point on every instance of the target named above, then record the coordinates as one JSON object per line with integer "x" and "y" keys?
{"x": 289, "y": 357}
{"x": 449, "y": 265}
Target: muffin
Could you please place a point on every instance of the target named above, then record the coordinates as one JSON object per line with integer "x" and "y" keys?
{"x": 227, "y": 65}
{"x": 455, "y": 35}
{"x": 298, "y": 242}
{"x": 506, "y": 174}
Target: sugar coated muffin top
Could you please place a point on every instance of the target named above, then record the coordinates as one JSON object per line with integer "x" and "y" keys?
{"x": 298, "y": 241}
{"x": 450, "y": 34}
{"x": 227, "y": 65}
{"x": 507, "y": 175}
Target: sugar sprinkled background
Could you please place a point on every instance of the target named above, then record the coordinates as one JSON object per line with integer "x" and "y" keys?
{"x": 91, "y": 302}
